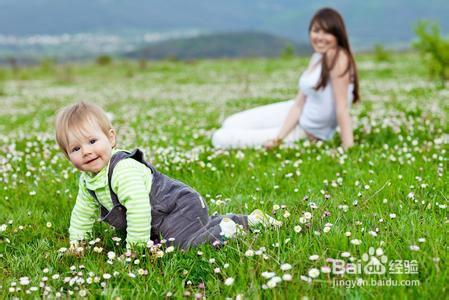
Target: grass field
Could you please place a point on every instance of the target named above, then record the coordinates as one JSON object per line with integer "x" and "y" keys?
{"x": 390, "y": 192}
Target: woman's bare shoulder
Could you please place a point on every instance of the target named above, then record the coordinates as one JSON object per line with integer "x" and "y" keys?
{"x": 339, "y": 59}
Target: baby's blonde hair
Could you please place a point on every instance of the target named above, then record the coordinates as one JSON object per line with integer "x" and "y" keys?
{"x": 75, "y": 117}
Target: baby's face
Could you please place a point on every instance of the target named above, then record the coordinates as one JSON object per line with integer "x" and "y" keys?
{"x": 90, "y": 150}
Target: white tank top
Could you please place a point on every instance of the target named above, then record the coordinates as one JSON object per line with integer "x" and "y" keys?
{"x": 318, "y": 116}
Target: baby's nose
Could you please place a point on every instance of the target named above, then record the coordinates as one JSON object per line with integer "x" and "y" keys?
{"x": 86, "y": 150}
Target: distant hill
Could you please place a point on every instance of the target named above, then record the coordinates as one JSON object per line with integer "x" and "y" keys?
{"x": 378, "y": 21}
{"x": 219, "y": 45}
{"x": 82, "y": 29}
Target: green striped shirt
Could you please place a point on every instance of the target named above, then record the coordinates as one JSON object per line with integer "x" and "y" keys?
{"x": 131, "y": 181}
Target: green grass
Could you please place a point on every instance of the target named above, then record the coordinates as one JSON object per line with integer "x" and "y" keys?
{"x": 170, "y": 109}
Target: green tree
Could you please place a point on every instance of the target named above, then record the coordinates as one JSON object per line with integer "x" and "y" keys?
{"x": 434, "y": 50}
{"x": 3, "y": 77}
{"x": 47, "y": 64}
{"x": 142, "y": 63}
{"x": 288, "y": 51}
{"x": 103, "y": 60}
{"x": 380, "y": 53}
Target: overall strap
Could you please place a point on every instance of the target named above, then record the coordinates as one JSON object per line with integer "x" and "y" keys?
{"x": 104, "y": 211}
{"x": 136, "y": 154}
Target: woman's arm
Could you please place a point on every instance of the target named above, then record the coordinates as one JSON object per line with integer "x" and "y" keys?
{"x": 340, "y": 84}
{"x": 290, "y": 121}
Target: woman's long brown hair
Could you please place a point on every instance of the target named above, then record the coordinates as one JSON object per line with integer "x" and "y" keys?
{"x": 331, "y": 22}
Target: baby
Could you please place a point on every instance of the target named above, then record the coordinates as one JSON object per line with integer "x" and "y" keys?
{"x": 131, "y": 194}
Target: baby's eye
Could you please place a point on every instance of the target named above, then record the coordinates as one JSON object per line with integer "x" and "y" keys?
{"x": 92, "y": 141}
{"x": 74, "y": 149}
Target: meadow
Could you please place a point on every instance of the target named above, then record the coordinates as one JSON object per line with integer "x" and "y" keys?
{"x": 381, "y": 203}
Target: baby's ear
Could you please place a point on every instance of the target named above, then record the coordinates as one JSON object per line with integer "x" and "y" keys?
{"x": 112, "y": 137}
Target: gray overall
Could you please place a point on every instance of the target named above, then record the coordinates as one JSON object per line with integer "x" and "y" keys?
{"x": 177, "y": 210}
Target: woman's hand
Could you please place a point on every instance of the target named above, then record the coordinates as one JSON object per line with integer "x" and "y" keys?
{"x": 273, "y": 143}
{"x": 290, "y": 122}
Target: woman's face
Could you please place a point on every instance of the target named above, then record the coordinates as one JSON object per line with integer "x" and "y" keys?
{"x": 321, "y": 40}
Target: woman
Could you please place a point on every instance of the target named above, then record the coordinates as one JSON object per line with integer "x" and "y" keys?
{"x": 327, "y": 89}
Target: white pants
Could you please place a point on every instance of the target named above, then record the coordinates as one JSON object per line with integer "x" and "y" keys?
{"x": 253, "y": 127}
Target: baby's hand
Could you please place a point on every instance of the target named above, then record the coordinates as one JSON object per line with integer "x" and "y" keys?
{"x": 76, "y": 249}
{"x": 130, "y": 254}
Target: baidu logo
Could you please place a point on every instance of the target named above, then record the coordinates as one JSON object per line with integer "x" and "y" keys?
{"x": 375, "y": 261}
{"x": 372, "y": 263}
